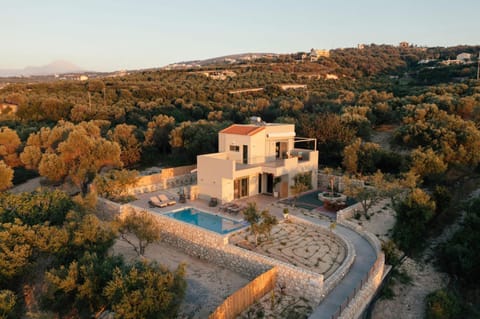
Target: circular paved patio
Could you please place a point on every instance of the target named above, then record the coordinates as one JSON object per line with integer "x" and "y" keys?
{"x": 299, "y": 244}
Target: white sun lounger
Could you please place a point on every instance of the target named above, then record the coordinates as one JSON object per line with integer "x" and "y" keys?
{"x": 165, "y": 199}
{"x": 156, "y": 202}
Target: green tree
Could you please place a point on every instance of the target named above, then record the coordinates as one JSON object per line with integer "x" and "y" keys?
{"x": 115, "y": 183}
{"x": 453, "y": 139}
{"x": 9, "y": 146}
{"x": 413, "y": 215}
{"x": 52, "y": 167}
{"x": 8, "y": 301}
{"x": 361, "y": 157}
{"x": 124, "y": 135}
{"x": 6, "y": 176}
{"x": 301, "y": 183}
{"x": 442, "y": 304}
{"x": 331, "y": 133}
{"x": 80, "y": 285}
{"x": 158, "y": 132}
{"x": 350, "y": 156}
{"x": 367, "y": 196}
{"x": 261, "y": 223}
{"x": 142, "y": 225}
{"x": 75, "y": 151}
{"x": 459, "y": 256}
{"x": 146, "y": 291}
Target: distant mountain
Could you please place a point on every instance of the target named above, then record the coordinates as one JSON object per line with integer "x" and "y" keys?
{"x": 226, "y": 59}
{"x": 56, "y": 67}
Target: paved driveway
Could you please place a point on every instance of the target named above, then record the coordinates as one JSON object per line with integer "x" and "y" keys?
{"x": 365, "y": 258}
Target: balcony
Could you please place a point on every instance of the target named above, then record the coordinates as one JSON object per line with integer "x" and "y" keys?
{"x": 297, "y": 157}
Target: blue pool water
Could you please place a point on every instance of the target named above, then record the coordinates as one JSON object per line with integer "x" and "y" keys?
{"x": 208, "y": 221}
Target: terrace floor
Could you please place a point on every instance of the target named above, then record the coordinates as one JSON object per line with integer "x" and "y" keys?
{"x": 298, "y": 244}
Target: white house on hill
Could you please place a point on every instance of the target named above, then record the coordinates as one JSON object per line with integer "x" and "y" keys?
{"x": 258, "y": 158}
{"x": 464, "y": 57}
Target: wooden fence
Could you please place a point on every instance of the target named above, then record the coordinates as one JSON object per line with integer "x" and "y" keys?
{"x": 246, "y": 296}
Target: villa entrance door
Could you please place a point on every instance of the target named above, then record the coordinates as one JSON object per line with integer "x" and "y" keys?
{"x": 270, "y": 183}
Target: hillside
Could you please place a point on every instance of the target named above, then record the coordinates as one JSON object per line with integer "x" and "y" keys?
{"x": 55, "y": 67}
{"x": 372, "y": 110}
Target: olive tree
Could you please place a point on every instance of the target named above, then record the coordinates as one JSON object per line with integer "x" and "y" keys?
{"x": 142, "y": 225}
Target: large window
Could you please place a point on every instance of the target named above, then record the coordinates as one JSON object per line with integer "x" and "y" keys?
{"x": 240, "y": 187}
{"x": 234, "y": 148}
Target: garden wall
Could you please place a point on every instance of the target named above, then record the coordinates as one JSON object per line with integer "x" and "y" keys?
{"x": 348, "y": 212}
{"x": 108, "y": 208}
{"x": 214, "y": 247}
{"x": 324, "y": 181}
{"x": 167, "y": 178}
{"x": 361, "y": 296}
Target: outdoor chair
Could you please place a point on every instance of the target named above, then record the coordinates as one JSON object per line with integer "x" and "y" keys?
{"x": 224, "y": 207}
{"x": 156, "y": 202}
{"x": 165, "y": 199}
{"x": 234, "y": 209}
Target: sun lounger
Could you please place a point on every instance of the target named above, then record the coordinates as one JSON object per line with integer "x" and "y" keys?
{"x": 165, "y": 199}
{"x": 224, "y": 207}
{"x": 234, "y": 209}
{"x": 156, "y": 202}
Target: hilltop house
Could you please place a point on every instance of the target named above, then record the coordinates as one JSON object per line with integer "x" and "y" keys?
{"x": 464, "y": 57}
{"x": 316, "y": 54}
{"x": 257, "y": 158}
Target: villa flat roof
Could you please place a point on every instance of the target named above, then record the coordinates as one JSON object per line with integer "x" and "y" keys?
{"x": 243, "y": 129}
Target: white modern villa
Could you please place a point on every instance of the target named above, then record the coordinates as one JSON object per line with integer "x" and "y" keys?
{"x": 257, "y": 158}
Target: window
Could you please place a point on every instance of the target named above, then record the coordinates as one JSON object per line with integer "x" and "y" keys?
{"x": 234, "y": 148}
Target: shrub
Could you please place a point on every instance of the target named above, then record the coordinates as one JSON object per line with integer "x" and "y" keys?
{"x": 442, "y": 304}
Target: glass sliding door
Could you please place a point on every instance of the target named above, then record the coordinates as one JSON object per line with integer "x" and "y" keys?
{"x": 240, "y": 188}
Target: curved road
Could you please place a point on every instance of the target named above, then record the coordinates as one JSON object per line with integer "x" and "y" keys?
{"x": 364, "y": 260}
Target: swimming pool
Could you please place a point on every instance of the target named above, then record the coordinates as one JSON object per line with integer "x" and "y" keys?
{"x": 215, "y": 223}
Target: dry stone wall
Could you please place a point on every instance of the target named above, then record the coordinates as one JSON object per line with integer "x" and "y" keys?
{"x": 214, "y": 247}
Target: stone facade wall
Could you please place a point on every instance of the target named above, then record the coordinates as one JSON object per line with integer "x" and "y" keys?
{"x": 157, "y": 182}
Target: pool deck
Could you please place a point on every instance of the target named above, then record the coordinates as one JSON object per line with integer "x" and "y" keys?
{"x": 263, "y": 202}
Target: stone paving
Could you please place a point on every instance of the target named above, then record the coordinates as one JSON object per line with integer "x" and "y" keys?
{"x": 300, "y": 245}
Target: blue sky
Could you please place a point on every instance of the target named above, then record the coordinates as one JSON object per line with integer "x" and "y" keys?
{"x": 108, "y": 35}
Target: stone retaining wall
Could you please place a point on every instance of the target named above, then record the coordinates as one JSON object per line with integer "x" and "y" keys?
{"x": 348, "y": 212}
{"x": 341, "y": 271}
{"x": 344, "y": 268}
{"x": 108, "y": 208}
{"x": 364, "y": 295}
{"x": 214, "y": 247}
{"x": 361, "y": 300}
{"x": 186, "y": 231}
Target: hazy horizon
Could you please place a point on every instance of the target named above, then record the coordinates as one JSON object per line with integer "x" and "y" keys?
{"x": 114, "y": 35}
